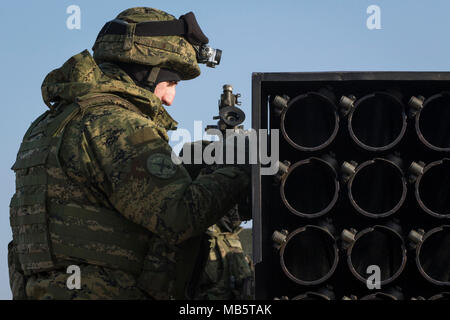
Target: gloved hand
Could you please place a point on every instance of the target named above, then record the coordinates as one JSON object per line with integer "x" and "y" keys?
{"x": 190, "y": 148}
{"x": 243, "y": 210}
{"x": 195, "y": 147}
{"x": 240, "y": 150}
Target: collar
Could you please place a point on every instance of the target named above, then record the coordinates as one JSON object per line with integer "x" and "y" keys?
{"x": 152, "y": 106}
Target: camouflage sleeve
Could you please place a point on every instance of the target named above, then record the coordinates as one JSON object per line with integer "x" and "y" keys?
{"x": 16, "y": 275}
{"x": 142, "y": 182}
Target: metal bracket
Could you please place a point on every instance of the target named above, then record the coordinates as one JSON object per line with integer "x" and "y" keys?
{"x": 279, "y": 238}
{"x": 416, "y": 237}
{"x": 416, "y": 104}
{"x": 348, "y": 237}
{"x": 348, "y": 169}
{"x": 347, "y": 104}
{"x": 415, "y": 170}
{"x": 280, "y": 103}
{"x": 283, "y": 168}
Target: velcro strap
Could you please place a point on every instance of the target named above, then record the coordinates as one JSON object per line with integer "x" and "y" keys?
{"x": 31, "y": 180}
{"x": 27, "y": 199}
{"x": 37, "y": 237}
{"x": 37, "y": 159}
{"x": 28, "y": 219}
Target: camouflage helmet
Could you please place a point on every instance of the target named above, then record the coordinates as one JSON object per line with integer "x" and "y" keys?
{"x": 174, "y": 53}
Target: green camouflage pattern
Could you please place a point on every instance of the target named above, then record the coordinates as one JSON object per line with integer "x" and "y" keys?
{"x": 229, "y": 273}
{"x": 101, "y": 163}
{"x": 170, "y": 52}
{"x": 50, "y": 215}
{"x": 246, "y": 238}
{"x": 96, "y": 283}
{"x": 81, "y": 76}
{"x": 16, "y": 276}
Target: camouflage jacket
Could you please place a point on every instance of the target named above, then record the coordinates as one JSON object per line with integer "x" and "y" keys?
{"x": 111, "y": 194}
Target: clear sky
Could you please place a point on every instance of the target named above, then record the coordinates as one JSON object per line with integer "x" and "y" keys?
{"x": 255, "y": 36}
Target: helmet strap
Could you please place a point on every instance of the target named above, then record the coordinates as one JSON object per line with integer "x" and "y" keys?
{"x": 152, "y": 76}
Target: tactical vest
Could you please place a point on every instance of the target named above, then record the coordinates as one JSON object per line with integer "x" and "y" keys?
{"x": 52, "y": 229}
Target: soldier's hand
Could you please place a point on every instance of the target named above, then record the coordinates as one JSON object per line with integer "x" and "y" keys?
{"x": 192, "y": 155}
{"x": 239, "y": 146}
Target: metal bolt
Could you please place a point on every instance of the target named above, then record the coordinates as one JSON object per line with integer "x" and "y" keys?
{"x": 279, "y": 238}
{"x": 347, "y": 104}
{"x": 280, "y": 102}
{"x": 348, "y": 236}
{"x": 283, "y": 168}
{"x": 416, "y": 236}
{"x": 415, "y": 170}
{"x": 416, "y": 104}
{"x": 348, "y": 169}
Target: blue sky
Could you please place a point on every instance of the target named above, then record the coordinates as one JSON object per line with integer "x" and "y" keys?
{"x": 255, "y": 36}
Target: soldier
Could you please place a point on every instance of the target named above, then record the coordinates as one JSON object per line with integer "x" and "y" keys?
{"x": 95, "y": 183}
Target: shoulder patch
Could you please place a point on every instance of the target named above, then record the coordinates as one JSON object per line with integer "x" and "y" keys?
{"x": 161, "y": 166}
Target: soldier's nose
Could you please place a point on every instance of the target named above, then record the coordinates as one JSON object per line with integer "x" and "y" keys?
{"x": 167, "y": 102}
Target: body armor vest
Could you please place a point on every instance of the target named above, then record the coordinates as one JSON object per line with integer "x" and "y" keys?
{"x": 53, "y": 227}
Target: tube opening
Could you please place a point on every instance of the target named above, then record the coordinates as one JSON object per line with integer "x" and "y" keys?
{"x": 310, "y": 122}
{"x": 434, "y": 257}
{"x": 378, "y": 189}
{"x": 310, "y": 189}
{"x": 310, "y": 264}
{"x": 380, "y": 247}
{"x": 377, "y": 122}
{"x": 433, "y": 190}
{"x": 434, "y": 123}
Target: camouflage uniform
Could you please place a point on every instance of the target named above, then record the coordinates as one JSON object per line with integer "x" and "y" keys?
{"x": 96, "y": 187}
{"x": 228, "y": 271}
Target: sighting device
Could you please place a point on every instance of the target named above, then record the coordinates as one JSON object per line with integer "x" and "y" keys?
{"x": 230, "y": 116}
